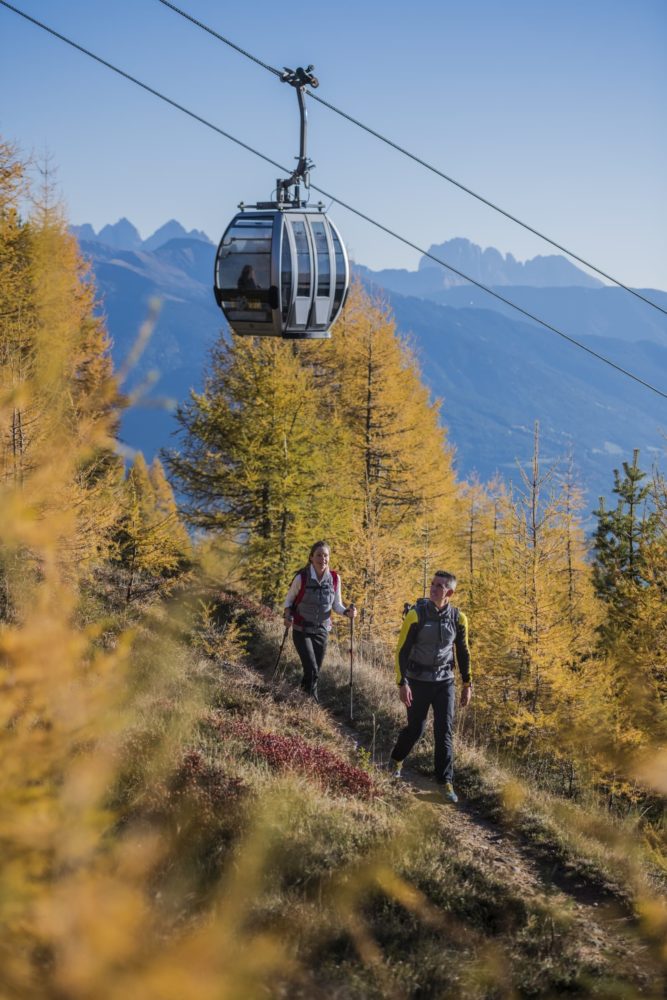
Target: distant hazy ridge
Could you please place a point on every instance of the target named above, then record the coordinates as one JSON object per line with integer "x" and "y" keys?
{"x": 495, "y": 371}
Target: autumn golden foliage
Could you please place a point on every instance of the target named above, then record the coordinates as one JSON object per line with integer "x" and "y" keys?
{"x": 160, "y": 837}
{"x": 151, "y": 547}
{"x": 249, "y": 457}
{"x": 59, "y": 395}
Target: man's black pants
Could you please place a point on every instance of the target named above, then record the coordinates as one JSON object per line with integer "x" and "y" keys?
{"x": 311, "y": 647}
{"x": 442, "y": 696}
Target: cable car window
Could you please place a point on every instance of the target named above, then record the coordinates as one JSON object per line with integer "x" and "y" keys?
{"x": 245, "y": 256}
{"x": 254, "y": 221}
{"x": 303, "y": 258}
{"x": 286, "y": 276}
{"x": 340, "y": 270}
{"x": 323, "y": 264}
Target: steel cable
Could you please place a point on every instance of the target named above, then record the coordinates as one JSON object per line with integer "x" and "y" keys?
{"x": 423, "y": 163}
{"x": 338, "y": 201}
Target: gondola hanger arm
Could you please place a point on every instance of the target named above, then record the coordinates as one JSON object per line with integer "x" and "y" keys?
{"x": 298, "y": 78}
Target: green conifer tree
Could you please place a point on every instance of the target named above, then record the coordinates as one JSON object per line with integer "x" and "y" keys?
{"x": 630, "y": 573}
{"x": 622, "y": 534}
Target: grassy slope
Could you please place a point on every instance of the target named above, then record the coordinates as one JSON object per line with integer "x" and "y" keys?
{"x": 369, "y": 890}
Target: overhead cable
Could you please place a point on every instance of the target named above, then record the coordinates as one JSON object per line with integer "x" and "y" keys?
{"x": 221, "y": 38}
{"x": 422, "y": 163}
{"x": 139, "y": 83}
{"x": 338, "y": 201}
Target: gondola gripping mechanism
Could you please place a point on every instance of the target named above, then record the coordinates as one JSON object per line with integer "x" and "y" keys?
{"x": 299, "y": 78}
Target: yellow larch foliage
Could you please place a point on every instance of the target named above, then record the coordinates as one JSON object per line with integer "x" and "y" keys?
{"x": 78, "y": 915}
{"x": 253, "y": 459}
{"x": 150, "y": 542}
{"x": 55, "y": 374}
{"x": 167, "y": 510}
{"x": 543, "y": 693}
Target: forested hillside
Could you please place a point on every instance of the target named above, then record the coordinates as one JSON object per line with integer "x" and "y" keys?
{"x": 494, "y": 371}
{"x": 179, "y": 821}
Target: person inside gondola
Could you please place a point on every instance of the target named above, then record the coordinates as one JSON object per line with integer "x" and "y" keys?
{"x": 313, "y": 594}
{"x": 247, "y": 280}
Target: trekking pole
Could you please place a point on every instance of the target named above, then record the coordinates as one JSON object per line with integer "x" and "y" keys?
{"x": 351, "y": 669}
{"x": 280, "y": 653}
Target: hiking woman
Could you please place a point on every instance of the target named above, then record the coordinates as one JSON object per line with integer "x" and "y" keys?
{"x": 314, "y": 593}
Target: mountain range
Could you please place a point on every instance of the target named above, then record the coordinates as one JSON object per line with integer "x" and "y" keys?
{"x": 487, "y": 266}
{"x": 495, "y": 371}
{"x": 123, "y": 235}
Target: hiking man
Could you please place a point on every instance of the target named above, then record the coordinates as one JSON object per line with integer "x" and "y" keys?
{"x": 434, "y": 636}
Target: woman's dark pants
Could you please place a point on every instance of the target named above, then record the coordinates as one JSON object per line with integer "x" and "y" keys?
{"x": 442, "y": 696}
{"x": 311, "y": 647}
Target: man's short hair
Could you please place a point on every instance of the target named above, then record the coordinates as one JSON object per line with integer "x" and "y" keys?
{"x": 449, "y": 578}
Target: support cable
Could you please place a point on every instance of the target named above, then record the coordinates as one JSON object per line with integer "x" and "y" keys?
{"x": 221, "y": 38}
{"x": 338, "y": 201}
{"x": 424, "y": 163}
{"x": 139, "y": 83}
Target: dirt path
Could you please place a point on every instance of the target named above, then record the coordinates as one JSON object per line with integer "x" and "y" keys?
{"x": 607, "y": 925}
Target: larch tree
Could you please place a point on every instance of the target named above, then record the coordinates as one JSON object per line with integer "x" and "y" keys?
{"x": 543, "y": 634}
{"x": 177, "y": 537}
{"x": 79, "y": 398}
{"x": 253, "y": 460}
{"x": 151, "y": 544}
{"x": 16, "y": 317}
{"x": 58, "y": 693}
{"x": 486, "y": 594}
{"x": 15, "y": 349}
{"x": 541, "y": 624}
{"x": 59, "y": 396}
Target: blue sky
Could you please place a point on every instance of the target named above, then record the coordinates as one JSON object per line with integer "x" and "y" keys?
{"x": 554, "y": 111}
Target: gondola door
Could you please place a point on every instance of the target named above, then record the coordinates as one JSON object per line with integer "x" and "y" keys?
{"x": 301, "y": 246}
{"x": 324, "y": 255}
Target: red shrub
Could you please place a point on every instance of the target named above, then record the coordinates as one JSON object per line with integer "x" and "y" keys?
{"x": 295, "y": 754}
{"x": 198, "y": 780}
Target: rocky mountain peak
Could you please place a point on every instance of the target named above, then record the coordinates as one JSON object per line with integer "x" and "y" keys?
{"x": 490, "y": 267}
{"x": 123, "y": 235}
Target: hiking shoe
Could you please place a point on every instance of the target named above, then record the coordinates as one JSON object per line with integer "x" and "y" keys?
{"x": 448, "y": 792}
{"x": 395, "y": 768}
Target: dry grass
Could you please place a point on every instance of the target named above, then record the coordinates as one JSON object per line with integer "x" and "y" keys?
{"x": 232, "y": 842}
{"x": 455, "y": 882}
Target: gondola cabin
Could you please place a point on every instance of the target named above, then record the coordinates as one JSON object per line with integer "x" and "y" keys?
{"x": 281, "y": 272}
